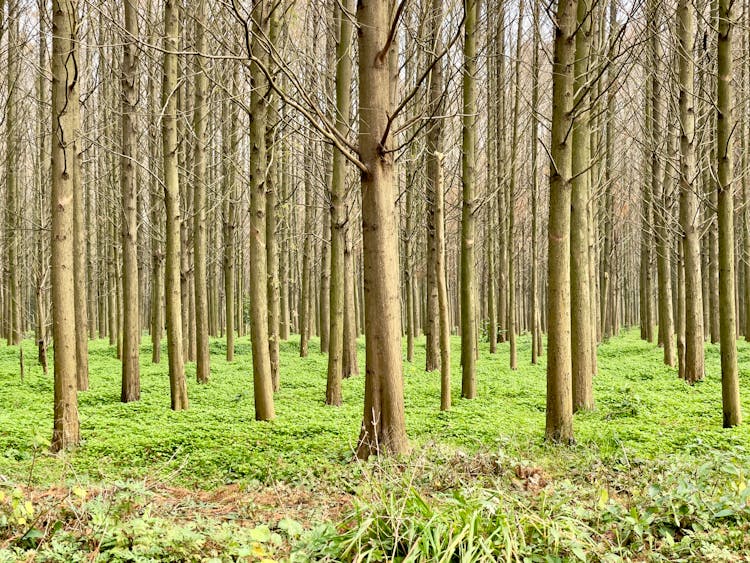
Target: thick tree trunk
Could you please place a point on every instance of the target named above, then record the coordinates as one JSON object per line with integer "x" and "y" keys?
{"x": 559, "y": 424}
{"x": 688, "y": 198}
{"x": 65, "y": 134}
{"x": 262, "y": 375}
{"x": 730, "y": 384}
{"x": 383, "y": 425}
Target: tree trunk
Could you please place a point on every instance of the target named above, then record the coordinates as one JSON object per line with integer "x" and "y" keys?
{"x": 581, "y": 329}
{"x": 230, "y": 140}
{"x": 468, "y": 178}
{"x": 200, "y": 117}
{"x": 65, "y": 133}
{"x": 383, "y": 425}
{"x": 338, "y": 208}
{"x": 730, "y": 384}
{"x": 688, "y": 197}
{"x": 131, "y": 383}
{"x": 177, "y": 384}
{"x": 262, "y": 375}
{"x": 559, "y": 423}
{"x": 272, "y": 247}
{"x": 535, "y": 321}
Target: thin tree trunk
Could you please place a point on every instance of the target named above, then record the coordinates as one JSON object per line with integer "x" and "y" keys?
{"x": 730, "y": 383}
{"x": 131, "y": 383}
{"x": 468, "y": 178}
{"x": 338, "y": 208}
{"x": 177, "y": 384}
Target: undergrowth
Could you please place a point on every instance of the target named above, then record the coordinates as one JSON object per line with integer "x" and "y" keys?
{"x": 652, "y": 474}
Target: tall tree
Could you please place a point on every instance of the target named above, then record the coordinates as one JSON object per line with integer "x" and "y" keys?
{"x": 172, "y": 274}
{"x": 131, "y": 337}
{"x": 581, "y": 328}
{"x": 559, "y": 424}
{"x": 12, "y": 209}
{"x": 338, "y": 206}
{"x": 730, "y": 385}
{"x": 437, "y": 198}
{"x": 200, "y": 118}
{"x": 230, "y": 142}
{"x": 383, "y": 425}
{"x": 469, "y": 204}
{"x": 689, "y": 216}
{"x": 512, "y": 194}
{"x": 536, "y": 337}
{"x": 272, "y": 247}
{"x": 65, "y": 138}
{"x": 262, "y": 376}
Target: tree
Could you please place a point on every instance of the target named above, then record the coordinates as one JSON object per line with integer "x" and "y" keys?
{"x": 437, "y": 199}
{"x": 469, "y": 205}
{"x": 688, "y": 196}
{"x": 230, "y": 141}
{"x": 131, "y": 337}
{"x": 383, "y": 425}
{"x": 262, "y": 376}
{"x": 12, "y": 210}
{"x": 660, "y": 176}
{"x": 559, "y": 424}
{"x": 200, "y": 117}
{"x": 339, "y": 217}
{"x": 512, "y": 195}
{"x": 730, "y": 386}
{"x": 581, "y": 327}
{"x": 65, "y": 136}
{"x": 172, "y": 274}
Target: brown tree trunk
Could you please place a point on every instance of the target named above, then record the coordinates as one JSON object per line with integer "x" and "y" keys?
{"x": 65, "y": 133}
{"x": 383, "y": 425}
{"x": 559, "y": 424}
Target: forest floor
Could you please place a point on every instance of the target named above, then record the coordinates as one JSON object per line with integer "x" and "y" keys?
{"x": 652, "y": 477}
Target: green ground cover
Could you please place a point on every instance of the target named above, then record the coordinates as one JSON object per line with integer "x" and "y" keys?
{"x": 652, "y": 476}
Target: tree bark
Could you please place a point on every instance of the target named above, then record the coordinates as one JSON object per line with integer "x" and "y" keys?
{"x": 339, "y": 217}
{"x": 65, "y": 135}
{"x": 559, "y": 419}
{"x": 262, "y": 375}
{"x": 468, "y": 178}
{"x": 688, "y": 197}
{"x": 383, "y": 425}
{"x": 131, "y": 383}
{"x": 730, "y": 384}
{"x": 177, "y": 384}
{"x": 200, "y": 118}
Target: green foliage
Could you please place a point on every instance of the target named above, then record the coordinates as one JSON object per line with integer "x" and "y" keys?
{"x": 653, "y": 475}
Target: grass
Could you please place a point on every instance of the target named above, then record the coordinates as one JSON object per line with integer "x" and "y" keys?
{"x": 646, "y": 424}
